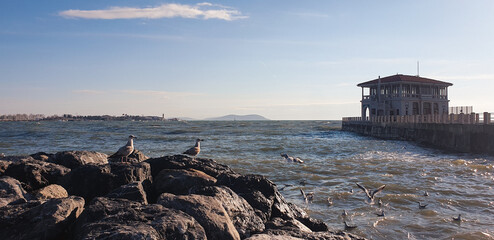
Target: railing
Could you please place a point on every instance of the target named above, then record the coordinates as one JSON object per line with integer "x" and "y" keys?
{"x": 473, "y": 118}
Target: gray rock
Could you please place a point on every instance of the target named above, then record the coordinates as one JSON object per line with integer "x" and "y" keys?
{"x": 208, "y": 166}
{"x": 241, "y": 213}
{"x": 50, "y": 191}
{"x": 35, "y": 174}
{"x": 135, "y": 157}
{"x": 206, "y": 210}
{"x": 11, "y": 191}
{"x": 89, "y": 181}
{"x": 52, "y": 219}
{"x": 107, "y": 218}
{"x": 75, "y": 159}
{"x": 179, "y": 181}
{"x": 133, "y": 191}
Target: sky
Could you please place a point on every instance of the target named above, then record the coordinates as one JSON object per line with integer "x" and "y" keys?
{"x": 282, "y": 59}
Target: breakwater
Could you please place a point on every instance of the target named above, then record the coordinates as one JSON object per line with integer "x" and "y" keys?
{"x": 467, "y": 138}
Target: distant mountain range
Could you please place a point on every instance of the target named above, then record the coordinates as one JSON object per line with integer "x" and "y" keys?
{"x": 232, "y": 117}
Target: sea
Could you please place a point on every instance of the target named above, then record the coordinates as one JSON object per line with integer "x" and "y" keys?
{"x": 334, "y": 161}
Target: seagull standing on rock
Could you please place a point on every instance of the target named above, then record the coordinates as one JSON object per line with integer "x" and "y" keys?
{"x": 126, "y": 150}
{"x": 195, "y": 150}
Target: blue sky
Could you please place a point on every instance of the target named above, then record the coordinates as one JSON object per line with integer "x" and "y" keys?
{"x": 280, "y": 59}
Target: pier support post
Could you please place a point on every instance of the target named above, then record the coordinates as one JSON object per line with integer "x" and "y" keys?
{"x": 487, "y": 118}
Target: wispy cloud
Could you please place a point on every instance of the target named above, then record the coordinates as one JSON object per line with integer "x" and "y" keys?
{"x": 170, "y": 10}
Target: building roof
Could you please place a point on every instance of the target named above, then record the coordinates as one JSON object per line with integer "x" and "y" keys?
{"x": 399, "y": 78}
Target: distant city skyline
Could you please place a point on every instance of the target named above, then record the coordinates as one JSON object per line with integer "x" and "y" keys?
{"x": 293, "y": 60}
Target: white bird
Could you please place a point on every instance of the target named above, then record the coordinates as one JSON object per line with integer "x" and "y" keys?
{"x": 291, "y": 159}
{"x": 126, "y": 150}
{"x": 195, "y": 150}
{"x": 370, "y": 195}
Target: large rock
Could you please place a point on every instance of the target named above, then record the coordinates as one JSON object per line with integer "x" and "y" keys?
{"x": 75, "y": 159}
{"x": 51, "y": 191}
{"x": 52, "y": 219}
{"x": 267, "y": 201}
{"x": 11, "y": 191}
{"x": 206, "y": 210}
{"x": 241, "y": 213}
{"x": 107, "y": 218}
{"x": 179, "y": 181}
{"x": 35, "y": 174}
{"x": 135, "y": 157}
{"x": 208, "y": 166}
{"x": 127, "y": 173}
{"x": 90, "y": 181}
{"x": 133, "y": 191}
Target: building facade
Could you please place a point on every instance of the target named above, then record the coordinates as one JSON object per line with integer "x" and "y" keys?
{"x": 401, "y": 95}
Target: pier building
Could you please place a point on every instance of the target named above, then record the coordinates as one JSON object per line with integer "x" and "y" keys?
{"x": 401, "y": 95}
{"x": 417, "y": 109}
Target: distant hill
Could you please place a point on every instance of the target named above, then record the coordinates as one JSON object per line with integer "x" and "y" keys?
{"x": 232, "y": 117}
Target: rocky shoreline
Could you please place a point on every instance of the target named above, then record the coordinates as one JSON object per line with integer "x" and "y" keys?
{"x": 85, "y": 195}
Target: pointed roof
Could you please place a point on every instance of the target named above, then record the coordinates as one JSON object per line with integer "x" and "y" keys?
{"x": 399, "y": 78}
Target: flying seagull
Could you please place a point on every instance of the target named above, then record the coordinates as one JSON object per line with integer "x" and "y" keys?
{"x": 196, "y": 149}
{"x": 370, "y": 195}
{"x": 126, "y": 150}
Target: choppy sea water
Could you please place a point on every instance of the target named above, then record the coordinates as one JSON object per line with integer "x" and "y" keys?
{"x": 334, "y": 162}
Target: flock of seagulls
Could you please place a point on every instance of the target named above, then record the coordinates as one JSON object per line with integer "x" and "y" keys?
{"x": 371, "y": 196}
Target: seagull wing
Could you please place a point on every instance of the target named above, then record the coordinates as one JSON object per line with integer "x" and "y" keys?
{"x": 123, "y": 151}
{"x": 365, "y": 190}
{"x": 192, "y": 151}
{"x": 378, "y": 190}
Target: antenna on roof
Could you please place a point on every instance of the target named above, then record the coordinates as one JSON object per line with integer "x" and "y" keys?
{"x": 418, "y": 69}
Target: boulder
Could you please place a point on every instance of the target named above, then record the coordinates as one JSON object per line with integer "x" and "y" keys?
{"x": 89, "y": 181}
{"x": 135, "y": 157}
{"x": 50, "y": 191}
{"x": 35, "y": 174}
{"x": 52, "y": 219}
{"x": 133, "y": 191}
{"x": 267, "y": 201}
{"x": 179, "y": 181}
{"x": 206, "y": 210}
{"x": 107, "y": 218}
{"x": 75, "y": 159}
{"x": 241, "y": 213}
{"x": 272, "y": 237}
{"x": 11, "y": 191}
{"x": 3, "y": 166}
{"x": 126, "y": 173}
{"x": 42, "y": 156}
{"x": 208, "y": 166}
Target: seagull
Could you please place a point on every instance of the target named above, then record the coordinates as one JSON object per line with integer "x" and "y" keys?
{"x": 291, "y": 159}
{"x": 126, "y": 150}
{"x": 426, "y": 193}
{"x": 307, "y": 197}
{"x": 349, "y": 226}
{"x": 370, "y": 195}
{"x": 344, "y": 213}
{"x": 381, "y": 214}
{"x": 422, "y": 206}
{"x": 193, "y": 151}
{"x": 330, "y": 201}
{"x": 457, "y": 219}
